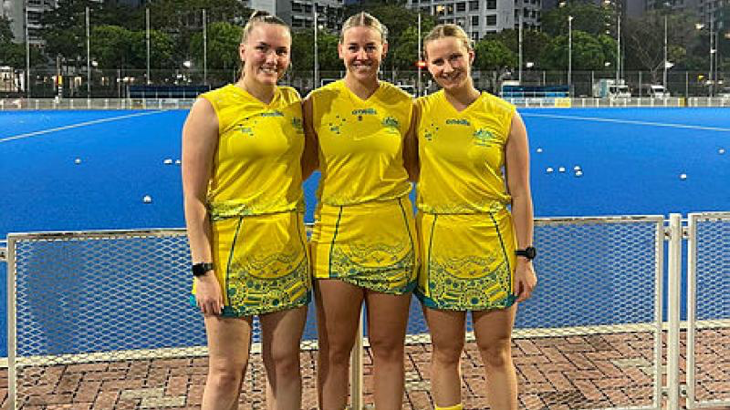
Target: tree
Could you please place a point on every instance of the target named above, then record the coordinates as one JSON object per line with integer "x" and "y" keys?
{"x": 303, "y": 51}
{"x": 645, "y": 41}
{"x": 111, "y": 46}
{"x": 162, "y": 50}
{"x": 64, "y": 29}
{"x": 223, "y": 41}
{"x": 533, "y": 42}
{"x": 586, "y": 18}
{"x": 589, "y": 52}
{"x": 493, "y": 55}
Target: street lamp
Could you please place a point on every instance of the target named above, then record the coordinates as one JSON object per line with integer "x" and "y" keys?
{"x": 666, "y": 62}
{"x": 316, "y": 48}
{"x": 713, "y": 51}
{"x": 570, "y": 51}
{"x": 519, "y": 76}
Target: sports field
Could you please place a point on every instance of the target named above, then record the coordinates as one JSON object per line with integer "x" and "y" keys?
{"x": 88, "y": 170}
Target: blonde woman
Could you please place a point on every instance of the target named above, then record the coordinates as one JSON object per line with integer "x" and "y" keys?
{"x": 477, "y": 253}
{"x": 363, "y": 245}
{"x": 242, "y": 147}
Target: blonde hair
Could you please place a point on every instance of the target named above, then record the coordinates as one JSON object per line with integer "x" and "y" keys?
{"x": 260, "y": 16}
{"x": 448, "y": 30}
{"x": 364, "y": 19}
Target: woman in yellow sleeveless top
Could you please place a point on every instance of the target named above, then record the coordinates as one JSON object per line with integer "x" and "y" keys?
{"x": 242, "y": 148}
{"x": 363, "y": 245}
{"x": 474, "y": 164}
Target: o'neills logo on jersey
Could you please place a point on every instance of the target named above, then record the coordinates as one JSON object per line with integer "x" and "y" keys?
{"x": 275, "y": 113}
{"x": 454, "y": 121}
{"x": 365, "y": 111}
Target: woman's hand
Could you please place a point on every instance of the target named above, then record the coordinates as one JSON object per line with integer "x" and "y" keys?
{"x": 525, "y": 279}
{"x": 208, "y": 294}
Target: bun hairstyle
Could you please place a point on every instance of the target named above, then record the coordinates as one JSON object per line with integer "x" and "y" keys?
{"x": 364, "y": 19}
{"x": 260, "y": 16}
{"x": 448, "y": 30}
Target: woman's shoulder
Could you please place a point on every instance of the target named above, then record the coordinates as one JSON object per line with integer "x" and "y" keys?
{"x": 494, "y": 103}
{"x": 429, "y": 100}
{"x": 394, "y": 93}
{"x": 329, "y": 90}
{"x": 289, "y": 94}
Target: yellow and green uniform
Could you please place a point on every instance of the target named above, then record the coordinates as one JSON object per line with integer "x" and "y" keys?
{"x": 255, "y": 202}
{"x": 364, "y": 231}
{"x": 466, "y": 230}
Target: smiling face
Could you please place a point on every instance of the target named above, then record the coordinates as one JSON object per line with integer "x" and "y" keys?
{"x": 266, "y": 53}
{"x": 362, "y": 50}
{"x": 449, "y": 62}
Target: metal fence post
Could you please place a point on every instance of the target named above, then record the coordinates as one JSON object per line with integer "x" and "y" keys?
{"x": 12, "y": 339}
{"x": 356, "y": 368}
{"x": 673, "y": 300}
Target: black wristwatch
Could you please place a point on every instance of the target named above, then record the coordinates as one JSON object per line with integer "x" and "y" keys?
{"x": 528, "y": 253}
{"x": 200, "y": 269}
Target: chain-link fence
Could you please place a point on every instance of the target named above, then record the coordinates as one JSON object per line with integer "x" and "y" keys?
{"x": 97, "y": 305}
{"x": 708, "y": 339}
{"x": 74, "y": 82}
{"x": 98, "y": 313}
{"x": 590, "y": 336}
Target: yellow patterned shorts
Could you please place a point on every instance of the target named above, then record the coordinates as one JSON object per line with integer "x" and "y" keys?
{"x": 371, "y": 245}
{"x": 262, "y": 263}
{"x": 468, "y": 261}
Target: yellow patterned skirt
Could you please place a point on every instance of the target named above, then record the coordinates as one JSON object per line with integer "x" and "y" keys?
{"x": 371, "y": 245}
{"x": 468, "y": 261}
{"x": 261, "y": 263}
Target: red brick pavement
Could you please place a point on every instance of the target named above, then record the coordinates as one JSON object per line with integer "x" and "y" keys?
{"x": 591, "y": 371}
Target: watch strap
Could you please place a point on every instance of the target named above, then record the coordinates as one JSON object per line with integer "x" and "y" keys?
{"x": 200, "y": 269}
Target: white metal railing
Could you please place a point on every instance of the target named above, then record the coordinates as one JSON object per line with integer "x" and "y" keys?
{"x": 178, "y": 103}
{"x": 622, "y": 254}
{"x": 708, "y": 309}
{"x": 95, "y": 104}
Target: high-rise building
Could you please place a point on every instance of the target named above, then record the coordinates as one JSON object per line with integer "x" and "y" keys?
{"x": 480, "y": 17}
{"x": 630, "y": 8}
{"x": 14, "y": 10}
{"x": 299, "y": 14}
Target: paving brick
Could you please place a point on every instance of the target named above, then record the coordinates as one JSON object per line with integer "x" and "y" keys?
{"x": 161, "y": 402}
{"x": 69, "y": 383}
{"x": 87, "y": 391}
{"x": 87, "y": 367}
{"x": 106, "y": 400}
{"x": 177, "y": 386}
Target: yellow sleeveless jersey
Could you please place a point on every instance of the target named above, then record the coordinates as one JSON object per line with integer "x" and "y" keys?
{"x": 361, "y": 143}
{"x": 257, "y": 167}
{"x": 462, "y": 155}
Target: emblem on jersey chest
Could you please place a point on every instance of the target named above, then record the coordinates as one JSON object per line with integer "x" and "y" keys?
{"x": 391, "y": 124}
{"x": 483, "y": 137}
{"x": 297, "y": 124}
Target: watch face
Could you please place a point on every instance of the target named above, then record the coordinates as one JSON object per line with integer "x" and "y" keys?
{"x": 531, "y": 252}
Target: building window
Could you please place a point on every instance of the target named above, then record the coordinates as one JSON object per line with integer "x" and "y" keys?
{"x": 475, "y": 36}
{"x": 296, "y": 7}
{"x": 474, "y": 21}
{"x": 492, "y": 20}
{"x": 474, "y": 5}
{"x": 461, "y": 6}
{"x": 491, "y": 4}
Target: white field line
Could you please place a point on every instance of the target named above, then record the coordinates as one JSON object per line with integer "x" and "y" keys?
{"x": 72, "y": 126}
{"x": 632, "y": 122}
